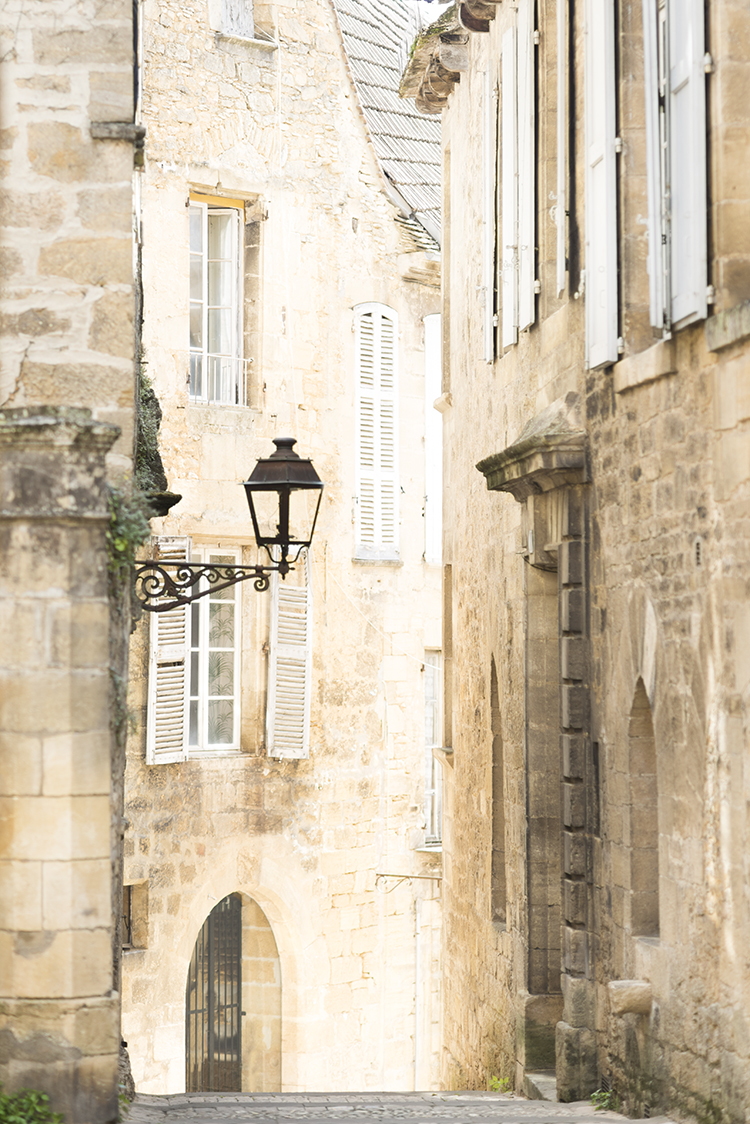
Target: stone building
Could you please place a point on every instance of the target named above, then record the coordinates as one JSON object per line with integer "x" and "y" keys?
{"x": 67, "y": 407}
{"x": 282, "y": 869}
{"x": 596, "y": 408}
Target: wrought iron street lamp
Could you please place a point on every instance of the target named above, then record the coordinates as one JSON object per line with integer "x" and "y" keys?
{"x": 284, "y": 493}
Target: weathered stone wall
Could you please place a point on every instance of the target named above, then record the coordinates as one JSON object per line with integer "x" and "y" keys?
{"x": 279, "y": 127}
{"x": 67, "y": 341}
{"x": 652, "y": 592}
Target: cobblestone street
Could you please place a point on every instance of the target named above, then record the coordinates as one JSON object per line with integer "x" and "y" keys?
{"x": 373, "y": 1108}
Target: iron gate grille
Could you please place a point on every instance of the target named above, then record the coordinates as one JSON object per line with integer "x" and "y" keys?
{"x": 214, "y": 996}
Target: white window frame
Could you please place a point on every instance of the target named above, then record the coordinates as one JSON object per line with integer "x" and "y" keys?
{"x": 289, "y": 695}
{"x": 601, "y": 291}
{"x": 433, "y": 794}
{"x": 561, "y": 204}
{"x": 675, "y": 89}
{"x": 170, "y": 647}
{"x": 509, "y": 182}
{"x": 377, "y": 436}
{"x": 222, "y": 375}
{"x": 202, "y": 608}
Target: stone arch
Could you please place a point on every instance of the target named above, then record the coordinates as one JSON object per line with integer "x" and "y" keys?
{"x": 499, "y": 878}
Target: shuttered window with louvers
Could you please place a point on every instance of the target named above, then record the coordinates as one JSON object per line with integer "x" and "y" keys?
{"x": 167, "y": 681}
{"x": 601, "y": 185}
{"x": 376, "y": 340}
{"x": 290, "y": 664}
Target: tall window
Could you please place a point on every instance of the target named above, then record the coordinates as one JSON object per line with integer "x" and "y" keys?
{"x": 433, "y": 443}
{"x": 674, "y": 71}
{"x": 518, "y": 188}
{"x": 433, "y": 811}
{"x": 376, "y": 343}
{"x": 216, "y": 368}
{"x": 194, "y": 669}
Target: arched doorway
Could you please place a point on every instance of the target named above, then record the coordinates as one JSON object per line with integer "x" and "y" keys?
{"x": 233, "y": 1002}
{"x": 213, "y": 1045}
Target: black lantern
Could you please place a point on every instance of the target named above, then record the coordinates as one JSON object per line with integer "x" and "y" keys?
{"x": 284, "y": 493}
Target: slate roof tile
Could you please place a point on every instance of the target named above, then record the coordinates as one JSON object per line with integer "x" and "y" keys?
{"x": 377, "y": 35}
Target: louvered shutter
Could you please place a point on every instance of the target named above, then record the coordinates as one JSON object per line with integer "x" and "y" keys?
{"x": 290, "y": 664}
{"x": 562, "y": 145}
{"x": 526, "y": 176}
{"x": 166, "y": 722}
{"x": 654, "y": 166}
{"x": 237, "y": 18}
{"x": 377, "y": 432}
{"x": 601, "y": 198}
{"x": 687, "y": 158}
{"x": 509, "y": 178}
{"x": 489, "y": 163}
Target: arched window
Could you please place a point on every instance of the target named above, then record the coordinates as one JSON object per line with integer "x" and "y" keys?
{"x": 376, "y": 347}
{"x": 644, "y": 818}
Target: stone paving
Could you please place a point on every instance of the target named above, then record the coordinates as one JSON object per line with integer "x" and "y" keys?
{"x": 373, "y": 1108}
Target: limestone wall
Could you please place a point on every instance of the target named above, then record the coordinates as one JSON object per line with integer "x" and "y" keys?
{"x": 277, "y": 126}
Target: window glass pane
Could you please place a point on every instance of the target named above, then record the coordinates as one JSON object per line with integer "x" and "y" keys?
{"x": 193, "y": 735}
{"x": 196, "y": 278}
{"x": 194, "y": 673}
{"x": 220, "y": 283}
{"x": 196, "y": 325}
{"x": 220, "y": 331}
{"x": 221, "y": 624}
{"x": 220, "y": 236}
{"x": 220, "y": 722}
{"x": 220, "y": 673}
{"x": 195, "y": 624}
{"x": 196, "y": 229}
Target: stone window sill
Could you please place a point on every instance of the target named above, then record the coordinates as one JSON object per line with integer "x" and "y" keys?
{"x": 264, "y": 44}
{"x": 645, "y": 367}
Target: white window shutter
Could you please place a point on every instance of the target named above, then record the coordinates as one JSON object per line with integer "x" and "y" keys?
{"x": 377, "y": 512}
{"x": 509, "y": 185}
{"x": 562, "y": 145}
{"x": 654, "y": 179}
{"x": 166, "y": 723}
{"x": 526, "y": 166}
{"x": 433, "y": 441}
{"x": 237, "y": 18}
{"x": 489, "y": 240}
{"x": 601, "y": 187}
{"x": 290, "y": 664}
{"x": 687, "y": 159}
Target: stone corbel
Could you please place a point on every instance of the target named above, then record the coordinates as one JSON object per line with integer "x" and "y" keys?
{"x": 630, "y": 997}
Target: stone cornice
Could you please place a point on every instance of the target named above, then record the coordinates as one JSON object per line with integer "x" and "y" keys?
{"x": 550, "y": 452}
